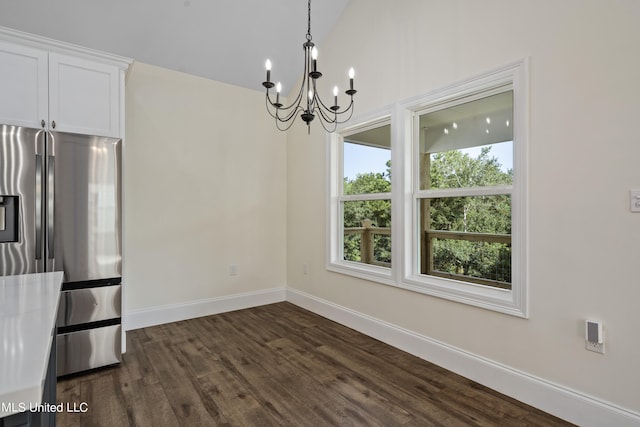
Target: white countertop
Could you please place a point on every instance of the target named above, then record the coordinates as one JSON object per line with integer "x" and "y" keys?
{"x": 28, "y": 311}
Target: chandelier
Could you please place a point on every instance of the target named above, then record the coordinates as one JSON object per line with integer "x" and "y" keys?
{"x": 308, "y": 103}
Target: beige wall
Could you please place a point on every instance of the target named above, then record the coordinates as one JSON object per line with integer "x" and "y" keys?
{"x": 205, "y": 187}
{"x": 584, "y": 151}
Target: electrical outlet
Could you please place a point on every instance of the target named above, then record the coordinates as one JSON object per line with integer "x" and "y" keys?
{"x": 594, "y": 346}
{"x": 233, "y": 270}
{"x": 305, "y": 268}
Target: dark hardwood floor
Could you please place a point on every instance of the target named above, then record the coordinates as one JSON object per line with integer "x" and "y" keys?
{"x": 279, "y": 365}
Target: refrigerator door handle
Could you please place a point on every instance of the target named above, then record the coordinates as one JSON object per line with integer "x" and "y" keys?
{"x": 51, "y": 205}
{"x": 3, "y": 224}
{"x": 39, "y": 185}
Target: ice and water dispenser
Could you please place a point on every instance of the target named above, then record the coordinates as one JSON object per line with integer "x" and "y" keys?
{"x": 9, "y": 219}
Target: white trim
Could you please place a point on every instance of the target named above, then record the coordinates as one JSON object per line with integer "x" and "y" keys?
{"x": 51, "y": 45}
{"x": 365, "y": 197}
{"x": 466, "y": 88}
{"x": 514, "y": 302}
{"x": 153, "y": 316}
{"x": 495, "y": 190}
{"x": 123, "y": 177}
{"x": 558, "y": 400}
{"x": 372, "y": 273}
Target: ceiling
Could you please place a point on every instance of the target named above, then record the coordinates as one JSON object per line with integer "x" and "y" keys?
{"x": 223, "y": 40}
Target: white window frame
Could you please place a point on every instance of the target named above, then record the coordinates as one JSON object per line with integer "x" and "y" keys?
{"x": 336, "y": 196}
{"x": 405, "y": 191}
{"x": 513, "y": 301}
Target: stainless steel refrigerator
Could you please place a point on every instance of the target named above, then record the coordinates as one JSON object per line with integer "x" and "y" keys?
{"x": 60, "y": 210}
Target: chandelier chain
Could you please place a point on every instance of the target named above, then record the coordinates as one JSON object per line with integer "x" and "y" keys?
{"x": 309, "y": 21}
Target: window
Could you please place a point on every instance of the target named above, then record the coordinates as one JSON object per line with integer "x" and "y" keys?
{"x": 362, "y": 193}
{"x": 465, "y": 183}
{"x": 466, "y": 174}
{"x": 457, "y": 200}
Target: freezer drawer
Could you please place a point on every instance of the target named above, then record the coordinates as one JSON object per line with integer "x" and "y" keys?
{"x": 88, "y": 349}
{"x": 89, "y": 305}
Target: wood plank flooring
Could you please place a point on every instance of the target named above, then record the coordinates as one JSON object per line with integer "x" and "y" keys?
{"x": 279, "y": 365}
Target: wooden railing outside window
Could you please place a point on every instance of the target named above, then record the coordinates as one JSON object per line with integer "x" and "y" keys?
{"x": 430, "y": 235}
{"x": 368, "y": 231}
{"x": 367, "y": 246}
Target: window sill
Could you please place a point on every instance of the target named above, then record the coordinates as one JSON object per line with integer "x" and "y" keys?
{"x": 495, "y": 299}
{"x": 363, "y": 271}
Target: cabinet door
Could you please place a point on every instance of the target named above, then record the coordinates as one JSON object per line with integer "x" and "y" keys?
{"x": 23, "y": 85}
{"x": 83, "y": 96}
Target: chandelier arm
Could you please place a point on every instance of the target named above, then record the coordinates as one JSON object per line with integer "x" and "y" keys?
{"x": 290, "y": 111}
{"x": 304, "y": 80}
{"x": 333, "y": 115}
{"x": 345, "y": 110}
{"x": 267, "y": 102}
{"x": 290, "y": 115}
{"x": 326, "y": 127}
{"x": 324, "y": 114}
{"x": 288, "y": 107}
{"x": 287, "y": 127}
{"x": 296, "y": 103}
{"x": 335, "y": 120}
{"x": 349, "y": 110}
{"x": 294, "y": 106}
{"x": 299, "y": 110}
{"x": 337, "y": 112}
{"x": 328, "y": 109}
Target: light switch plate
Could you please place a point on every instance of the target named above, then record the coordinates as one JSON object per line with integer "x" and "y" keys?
{"x": 594, "y": 336}
{"x": 634, "y": 199}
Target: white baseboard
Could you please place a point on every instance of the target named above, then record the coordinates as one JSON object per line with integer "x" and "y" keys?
{"x": 144, "y": 318}
{"x": 555, "y": 399}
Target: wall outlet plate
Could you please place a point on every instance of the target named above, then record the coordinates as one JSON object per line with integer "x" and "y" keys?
{"x": 634, "y": 200}
{"x": 594, "y": 346}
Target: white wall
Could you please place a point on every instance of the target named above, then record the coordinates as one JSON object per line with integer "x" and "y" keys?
{"x": 205, "y": 188}
{"x": 584, "y": 151}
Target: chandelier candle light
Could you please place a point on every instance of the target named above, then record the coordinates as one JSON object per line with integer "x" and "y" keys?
{"x": 330, "y": 116}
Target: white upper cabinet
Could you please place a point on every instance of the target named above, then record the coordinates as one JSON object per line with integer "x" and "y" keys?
{"x": 23, "y": 85}
{"x": 83, "y": 96}
{"x": 61, "y": 87}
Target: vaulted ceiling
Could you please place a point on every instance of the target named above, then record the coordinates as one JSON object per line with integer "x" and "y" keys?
{"x": 223, "y": 40}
